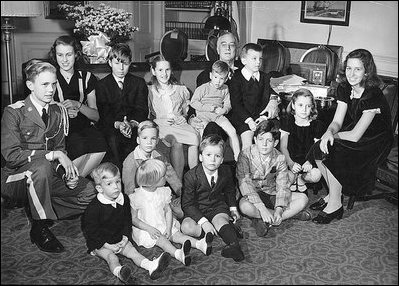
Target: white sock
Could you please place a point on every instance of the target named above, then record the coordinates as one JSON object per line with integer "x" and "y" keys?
{"x": 145, "y": 263}
{"x": 201, "y": 245}
{"x": 116, "y": 271}
{"x": 178, "y": 255}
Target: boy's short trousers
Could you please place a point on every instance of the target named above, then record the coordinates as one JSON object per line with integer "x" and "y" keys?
{"x": 268, "y": 200}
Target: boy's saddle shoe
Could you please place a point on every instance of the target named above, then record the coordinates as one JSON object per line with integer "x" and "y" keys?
{"x": 44, "y": 238}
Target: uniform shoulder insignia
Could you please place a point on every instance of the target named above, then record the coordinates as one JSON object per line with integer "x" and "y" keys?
{"x": 17, "y": 104}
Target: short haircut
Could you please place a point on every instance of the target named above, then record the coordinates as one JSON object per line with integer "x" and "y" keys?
{"x": 220, "y": 67}
{"x": 224, "y": 33}
{"x": 100, "y": 172}
{"x": 146, "y": 125}
{"x": 150, "y": 172}
{"x": 306, "y": 93}
{"x": 213, "y": 140}
{"x": 35, "y": 67}
{"x": 120, "y": 52}
{"x": 270, "y": 125}
{"x": 250, "y": 46}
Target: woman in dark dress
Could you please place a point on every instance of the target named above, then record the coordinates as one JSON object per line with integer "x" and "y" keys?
{"x": 357, "y": 140}
{"x": 85, "y": 145}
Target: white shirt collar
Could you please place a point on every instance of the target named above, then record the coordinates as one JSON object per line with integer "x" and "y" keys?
{"x": 37, "y": 105}
{"x": 119, "y": 200}
{"x": 248, "y": 74}
{"x": 117, "y": 79}
{"x": 209, "y": 177}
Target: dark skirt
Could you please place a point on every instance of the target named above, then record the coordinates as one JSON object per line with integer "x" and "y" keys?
{"x": 353, "y": 164}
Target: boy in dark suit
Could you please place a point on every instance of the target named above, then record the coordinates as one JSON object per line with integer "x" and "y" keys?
{"x": 251, "y": 95}
{"x": 121, "y": 98}
{"x": 209, "y": 198}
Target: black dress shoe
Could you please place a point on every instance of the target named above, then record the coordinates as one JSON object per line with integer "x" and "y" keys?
{"x": 325, "y": 218}
{"x": 45, "y": 239}
{"x": 233, "y": 251}
{"x": 319, "y": 205}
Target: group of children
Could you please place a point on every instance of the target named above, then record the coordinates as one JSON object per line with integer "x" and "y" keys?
{"x": 202, "y": 203}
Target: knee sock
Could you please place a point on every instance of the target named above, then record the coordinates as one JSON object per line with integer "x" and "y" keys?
{"x": 228, "y": 234}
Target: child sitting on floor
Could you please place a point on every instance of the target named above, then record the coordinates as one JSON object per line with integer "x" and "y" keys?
{"x": 153, "y": 223}
{"x": 107, "y": 227}
{"x": 147, "y": 139}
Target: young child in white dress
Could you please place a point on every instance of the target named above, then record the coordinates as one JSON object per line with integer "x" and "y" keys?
{"x": 153, "y": 223}
{"x": 168, "y": 104}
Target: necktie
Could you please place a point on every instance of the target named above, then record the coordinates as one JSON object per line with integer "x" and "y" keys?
{"x": 213, "y": 182}
{"x": 120, "y": 83}
{"x": 44, "y": 116}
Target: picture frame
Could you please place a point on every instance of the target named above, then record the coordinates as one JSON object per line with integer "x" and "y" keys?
{"x": 51, "y": 10}
{"x": 326, "y": 12}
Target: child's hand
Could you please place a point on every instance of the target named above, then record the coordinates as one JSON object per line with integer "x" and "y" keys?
{"x": 208, "y": 227}
{"x": 168, "y": 232}
{"x": 296, "y": 168}
{"x": 154, "y": 233}
{"x": 72, "y": 112}
{"x": 219, "y": 110}
{"x": 113, "y": 247}
{"x": 123, "y": 242}
{"x": 260, "y": 119}
{"x": 180, "y": 120}
{"x": 126, "y": 129}
{"x": 72, "y": 182}
{"x": 266, "y": 215}
{"x": 277, "y": 217}
{"x": 170, "y": 121}
{"x": 306, "y": 167}
{"x": 252, "y": 125}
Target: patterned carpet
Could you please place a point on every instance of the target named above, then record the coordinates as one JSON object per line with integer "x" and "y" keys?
{"x": 362, "y": 248}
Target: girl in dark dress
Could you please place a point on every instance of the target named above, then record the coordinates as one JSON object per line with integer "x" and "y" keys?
{"x": 85, "y": 145}
{"x": 298, "y": 133}
{"x": 357, "y": 140}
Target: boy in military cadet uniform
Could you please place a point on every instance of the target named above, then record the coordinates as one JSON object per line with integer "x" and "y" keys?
{"x": 37, "y": 168}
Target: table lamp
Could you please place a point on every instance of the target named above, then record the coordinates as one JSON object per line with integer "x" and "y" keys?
{"x": 9, "y": 10}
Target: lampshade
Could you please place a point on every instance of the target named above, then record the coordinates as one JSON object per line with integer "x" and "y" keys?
{"x": 21, "y": 9}
{"x": 217, "y": 22}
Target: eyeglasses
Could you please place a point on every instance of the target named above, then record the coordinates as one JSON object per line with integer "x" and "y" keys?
{"x": 226, "y": 45}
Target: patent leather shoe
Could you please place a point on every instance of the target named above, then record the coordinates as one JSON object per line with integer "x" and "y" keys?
{"x": 319, "y": 205}
{"x": 45, "y": 239}
{"x": 325, "y": 218}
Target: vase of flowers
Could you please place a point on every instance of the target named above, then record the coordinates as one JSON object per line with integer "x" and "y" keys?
{"x": 102, "y": 25}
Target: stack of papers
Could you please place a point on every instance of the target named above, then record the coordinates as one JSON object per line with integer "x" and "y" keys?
{"x": 291, "y": 83}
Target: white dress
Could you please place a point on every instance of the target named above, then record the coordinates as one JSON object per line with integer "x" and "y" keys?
{"x": 150, "y": 209}
{"x": 165, "y": 105}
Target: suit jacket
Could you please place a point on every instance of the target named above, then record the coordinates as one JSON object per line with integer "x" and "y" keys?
{"x": 248, "y": 98}
{"x": 198, "y": 197}
{"x": 24, "y": 134}
{"x": 113, "y": 103}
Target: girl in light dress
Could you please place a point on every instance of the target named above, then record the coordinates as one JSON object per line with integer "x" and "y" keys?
{"x": 153, "y": 223}
{"x": 168, "y": 104}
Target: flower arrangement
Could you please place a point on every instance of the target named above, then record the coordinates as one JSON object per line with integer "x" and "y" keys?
{"x": 90, "y": 20}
